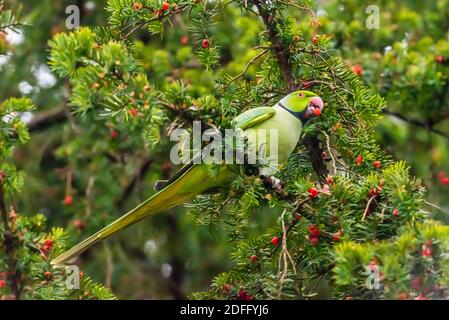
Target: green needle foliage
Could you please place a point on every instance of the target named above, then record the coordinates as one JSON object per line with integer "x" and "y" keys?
{"x": 27, "y": 245}
{"x": 340, "y": 214}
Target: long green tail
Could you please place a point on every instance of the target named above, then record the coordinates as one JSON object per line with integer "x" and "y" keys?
{"x": 163, "y": 200}
{"x": 187, "y": 184}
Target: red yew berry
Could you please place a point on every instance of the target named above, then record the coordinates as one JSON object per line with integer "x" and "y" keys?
{"x": 373, "y": 192}
{"x": 275, "y": 241}
{"x": 416, "y": 283}
{"x": 359, "y": 160}
{"x": 298, "y": 216}
{"x": 47, "y": 274}
{"x": 165, "y": 6}
{"x": 377, "y": 164}
{"x": 2, "y": 283}
{"x": 313, "y": 193}
{"x": 314, "y": 231}
{"x": 227, "y": 288}
{"x": 427, "y": 252}
{"x": 205, "y": 43}
{"x": 68, "y": 200}
{"x": 137, "y": 6}
{"x": 336, "y": 236}
{"x": 396, "y": 212}
{"x": 253, "y": 258}
{"x": 315, "y": 39}
{"x": 81, "y": 274}
{"x": 326, "y": 189}
{"x": 330, "y": 180}
{"x": 133, "y": 112}
{"x": 421, "y": 296}
{"x": 114, "y": 134}
{"x": 242, "y": 295}
{"x": 166, "y": 167}
{"x": 337, "y": 126}
{"x": 47, "y": 245}
{"x": 445, "y": 181}
{"x": 306, "y": 84}
{"x": 357, "y": 69}
{"x": 373, "y": 265}
{"x": 184, "y": 40}
{"x": 314, "y": 241}
{"x": 428, "y": 243}
{"x": 403, "y": 296}
{"x": 79, "y": 224}
{"x": 439, "y": 59}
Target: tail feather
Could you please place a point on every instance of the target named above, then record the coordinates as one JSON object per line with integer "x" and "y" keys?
{"x": 163, "y": 200}
{"x": 76, "y": 250}
{"x": 188, "y": 183}
{"x": 160, "y": 184}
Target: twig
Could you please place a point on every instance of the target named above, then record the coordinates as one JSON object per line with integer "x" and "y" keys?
{"x": 142, "y": 24}
{"x": 9, "y": 240}
{"x": 334, "y": 165}
{"x": 46, "y": 119}
{"x": 367, "y": 207}
{"x": 109, "y": 266}
{"x": 282, "y": 256}
{"x": 250, "y": 62}
{"x": 89, "y": 193}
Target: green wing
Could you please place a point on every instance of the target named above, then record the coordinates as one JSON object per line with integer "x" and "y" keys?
{"x": 246, "y": 120}
{"x": 253, "y": 117}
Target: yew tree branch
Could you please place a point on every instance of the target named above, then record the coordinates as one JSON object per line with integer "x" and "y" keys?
{"x": 282, "y": 54}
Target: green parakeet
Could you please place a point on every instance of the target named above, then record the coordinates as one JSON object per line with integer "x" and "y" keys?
{"x": 287, "y": 117}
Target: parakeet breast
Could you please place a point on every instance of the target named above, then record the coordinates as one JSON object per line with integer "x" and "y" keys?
{"x": 283, "y": 130}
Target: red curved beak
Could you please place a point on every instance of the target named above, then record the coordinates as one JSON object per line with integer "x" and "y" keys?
{"x": 317, "y": 104}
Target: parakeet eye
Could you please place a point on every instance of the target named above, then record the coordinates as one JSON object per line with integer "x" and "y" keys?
{"x": 301, "y": 94}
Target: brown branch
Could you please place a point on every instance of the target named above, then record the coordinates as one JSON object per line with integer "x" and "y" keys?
{"x": 9, "y": 241}
{"x": 243, "y": 73}
{"x": 46, "y": 119}
{"x": 282, "y": 53}
{"x": 416, "y": 122}
{"x": 283, "y": 57}
{"x": 316, "y": 156}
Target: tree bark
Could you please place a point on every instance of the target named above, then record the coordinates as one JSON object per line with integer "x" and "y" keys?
{"x": 282, "y": 54}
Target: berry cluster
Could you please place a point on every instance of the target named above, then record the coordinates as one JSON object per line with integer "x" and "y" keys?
{"x": 443, "y": 179}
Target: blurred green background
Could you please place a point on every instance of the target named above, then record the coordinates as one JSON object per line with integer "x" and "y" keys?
{"x": 105, "y": 171}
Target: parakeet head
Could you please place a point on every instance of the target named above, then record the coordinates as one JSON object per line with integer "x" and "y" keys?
{"x": 305, "y": 102}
